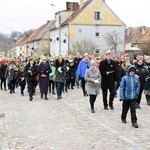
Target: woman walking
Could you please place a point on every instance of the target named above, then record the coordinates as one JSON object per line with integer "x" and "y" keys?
{"x": 93, "y": 78}
{"x": 60, "y": 75}
{"x": 31, "y": 73}
{"x": 44, "y": 70}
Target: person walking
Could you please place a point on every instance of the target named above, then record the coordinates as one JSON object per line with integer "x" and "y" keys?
{"x": 93, "y": 79}
{"x": 3, "y": 69}
{"x": 147, "y": 80}
{"x": 84, "y": 64}
{"x": 10, "y": 74}
{"x": 51, "y": 77}
{"x": 129, "y": 91}
{"x": 31, "y": 73}
{"x": 44, "y": 70}
{"x": 22, "y": 79}
{"x": 142, "y": 73}
{"x": 61, "y": 69}
{"x": 109, "y": 79}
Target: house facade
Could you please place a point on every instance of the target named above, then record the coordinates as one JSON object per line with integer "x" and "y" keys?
{"x": 92, "y": 21}
{"x": 38, "y": 42}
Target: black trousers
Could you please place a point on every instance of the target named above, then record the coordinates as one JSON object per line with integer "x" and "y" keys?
{"x": 3, "y": 80}
{"x": 92, "y": 101}
{"x": 138, "y": 101}
{"x": 83, "y": 85}
{"x": 51, "y": 85}
{"x": 125, "y": 107}
{"x": 31, "y": 87}
{"x": 111, "y": 97}
{"x": 22, "y": 87}
{"x": 12, "y": 85}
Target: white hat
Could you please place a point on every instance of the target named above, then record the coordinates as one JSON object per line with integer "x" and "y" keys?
{"x": 146, "y": 57}
{"x": 108, "y": 52}
{"x": 86, "y": 54}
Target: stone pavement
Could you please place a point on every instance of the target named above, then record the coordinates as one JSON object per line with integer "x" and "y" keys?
{"x": 67, "y": 124}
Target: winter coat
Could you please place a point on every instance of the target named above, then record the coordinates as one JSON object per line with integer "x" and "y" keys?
{"x": 147, "y": 79}
{"x": 21, "y": 78}
{"x": 53, "y": 71}
{"x": 61, "y": 69}
{"x": 44, "y": 69}
{"x": 82, "y": 67}
{"x": 108, "y": 81}
{"x": 142, "y": 73}
{"x": 31, "y": 71}
{"x": 10, "y": 73}
{"x": 3, "y": 70}
{"x": 90, "y": 75}
{"x": 147, "y": 83}
{"x": 129, "y": 86}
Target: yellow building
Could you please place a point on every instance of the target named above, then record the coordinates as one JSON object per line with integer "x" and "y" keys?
{"x": 91, "y": 23}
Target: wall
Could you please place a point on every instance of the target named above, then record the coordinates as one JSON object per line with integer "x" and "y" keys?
{"x": 54, "y": 44}
{"x": 81, "y": 32}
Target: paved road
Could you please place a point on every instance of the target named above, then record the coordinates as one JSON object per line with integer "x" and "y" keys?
{"x": 67, "y": 124}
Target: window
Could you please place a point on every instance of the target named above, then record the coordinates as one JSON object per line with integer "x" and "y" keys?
{"x": 97, "y": 34}
{"x": 97, "y": 51}
{"x": 97, "y": 15}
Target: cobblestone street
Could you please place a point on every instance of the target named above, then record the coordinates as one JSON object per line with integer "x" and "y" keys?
{"x": 68, "y": 124}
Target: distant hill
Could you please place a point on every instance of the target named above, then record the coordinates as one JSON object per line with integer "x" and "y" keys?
{"x": 5, "y": 42}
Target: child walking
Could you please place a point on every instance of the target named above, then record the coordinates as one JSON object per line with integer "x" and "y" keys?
{"x": 129, "y": 90}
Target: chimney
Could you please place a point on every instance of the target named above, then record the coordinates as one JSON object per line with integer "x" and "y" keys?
{"x": 72, "y": 6}
{"x": 128, "y": 31}
{"x": 143, "y": 28}
{"x": 81, "y": 3}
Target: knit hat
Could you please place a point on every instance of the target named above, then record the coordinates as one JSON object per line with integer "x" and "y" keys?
{"x": 132, "y": 69}
{"x": 140, "y": 58}
{"x": 4, "y": 61}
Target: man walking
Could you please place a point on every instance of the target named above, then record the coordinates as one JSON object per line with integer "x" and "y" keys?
{"x": 109, "y": 79}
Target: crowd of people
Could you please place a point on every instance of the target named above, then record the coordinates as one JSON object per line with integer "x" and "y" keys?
{"x": 57, "y": 75}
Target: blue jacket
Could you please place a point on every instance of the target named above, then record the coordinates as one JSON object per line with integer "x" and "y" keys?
{"x": 82, "y": 67}
{"x": 129, "y": 86}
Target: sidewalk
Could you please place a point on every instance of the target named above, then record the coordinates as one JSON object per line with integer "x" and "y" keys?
{"x": 67, "y": 124}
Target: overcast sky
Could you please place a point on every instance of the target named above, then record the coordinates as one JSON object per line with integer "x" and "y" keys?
{"x": 22, "y": 15}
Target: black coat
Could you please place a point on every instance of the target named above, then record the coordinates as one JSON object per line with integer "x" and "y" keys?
{"x": 3, "y": 70}
{"x": 142, "y": 73}
{"x": 44, "y": 69}
{"x": 31, "y": 71}
{"x": 108, "y": 80}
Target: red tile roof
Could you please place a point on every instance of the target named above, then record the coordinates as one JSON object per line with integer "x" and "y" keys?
{"x": 135, "y": 35}
{"x": 21, "y": 41}
{"x": 40, "y": 32}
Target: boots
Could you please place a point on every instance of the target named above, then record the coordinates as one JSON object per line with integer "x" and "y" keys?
{"x": 148, "y": 99}
{"x": 135, "y": 125}
{"x": 53, "y": 92}
{"x": 41, "y": 95}
{"x": 46, "y": 97}
{"x": 92, "y": 111}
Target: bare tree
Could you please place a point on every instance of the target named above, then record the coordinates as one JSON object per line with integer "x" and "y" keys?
{"x": 113, "y": 40}
{"x": 85, "y": 46}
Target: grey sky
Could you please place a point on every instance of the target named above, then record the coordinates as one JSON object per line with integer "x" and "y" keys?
{"x": 22, "y": 15}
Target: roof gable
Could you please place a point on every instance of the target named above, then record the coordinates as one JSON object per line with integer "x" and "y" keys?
{"x": 85, "y": 15}
{"x": 40, "y": 32}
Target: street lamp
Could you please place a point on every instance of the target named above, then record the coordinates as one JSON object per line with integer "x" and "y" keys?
{"x": 59, "y": 28}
